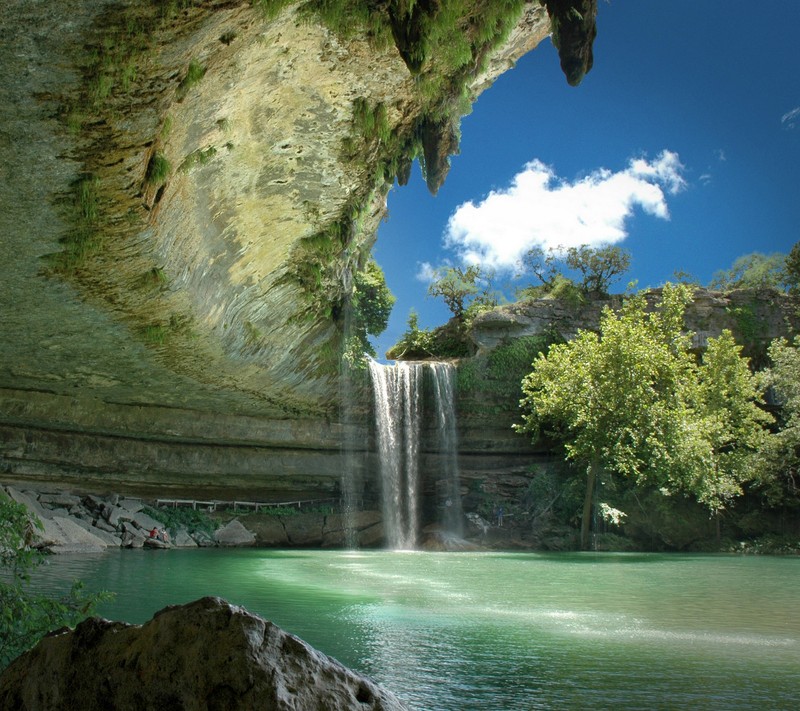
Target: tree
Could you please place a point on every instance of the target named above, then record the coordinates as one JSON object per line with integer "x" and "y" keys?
{"x": 630, "y": 401}
{"x": 753, "y": 271}
{"x": 733, "y": 422}
{"x": 780, "y": 464}
{"x": 25, "y": 617}
{"x": 599, "y": 267}
{"x": 793, "y": 269}
{"x": 458, "y": 287}
{"x": 542, "y": 264}
{"x": 372, "y": 304}
{"x": 415, "y": 343}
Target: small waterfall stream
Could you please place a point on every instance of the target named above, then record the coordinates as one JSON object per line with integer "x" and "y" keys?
{"x": 450, "y": 485}
{"x": 399, "y": 413}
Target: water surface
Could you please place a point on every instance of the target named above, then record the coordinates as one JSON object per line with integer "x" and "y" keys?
{"x": 502, "y": 631}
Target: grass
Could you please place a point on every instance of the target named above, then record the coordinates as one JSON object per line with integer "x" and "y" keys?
{"x": 155, "y": 333}
{"x": 200, "y": 157}
{"x": 84, "y": 237}
{"x": 270, "y": 9}
{"x": 158, "y": 169}
{"x": 87, "y": 199}
{"x": 194, "y": 74}
{"x": 154, "y": 278}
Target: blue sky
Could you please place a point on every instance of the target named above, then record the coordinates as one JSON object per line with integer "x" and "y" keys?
{"x": 682, "y": 145}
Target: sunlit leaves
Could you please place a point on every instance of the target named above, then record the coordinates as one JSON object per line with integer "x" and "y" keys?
{"x": 633, "y": 400}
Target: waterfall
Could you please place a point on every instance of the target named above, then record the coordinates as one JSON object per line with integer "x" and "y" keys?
{"x": 449, "y": 483}
{"x": 398, "y": 406}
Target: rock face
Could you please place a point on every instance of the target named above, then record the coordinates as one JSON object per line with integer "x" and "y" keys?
{"x": 754, "y": 316}
{"x": 185, "y": 191}
{"x": 204, "y": 655}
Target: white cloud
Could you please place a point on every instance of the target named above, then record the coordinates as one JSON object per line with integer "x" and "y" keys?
{"x": 789, "y": 119}
{"x": 541, "y": 209}
{"x": 425, "y": 272}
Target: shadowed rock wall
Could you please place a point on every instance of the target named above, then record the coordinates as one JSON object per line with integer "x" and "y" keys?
{"x": 186, "y": 189}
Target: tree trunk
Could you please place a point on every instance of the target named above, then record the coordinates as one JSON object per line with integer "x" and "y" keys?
{"x": 586, "y": 518}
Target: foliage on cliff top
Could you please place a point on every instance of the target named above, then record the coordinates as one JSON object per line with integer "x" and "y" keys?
{"x": 598, "y": 267}
{"x": 760, "y": 271}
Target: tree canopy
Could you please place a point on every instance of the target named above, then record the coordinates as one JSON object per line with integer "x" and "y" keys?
{"x": 464, "y": 290}
{"x": 779, "y": 467}
{"x": 753, "y": 271}
{"x": 598, "y": 267}
{"x": 632, "y": 400}
{"x": 372, "y": 304}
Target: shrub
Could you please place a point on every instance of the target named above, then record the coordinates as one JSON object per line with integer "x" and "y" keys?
{"x": 25, "y": 615}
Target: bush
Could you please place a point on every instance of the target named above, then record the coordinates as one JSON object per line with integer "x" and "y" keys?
{"x": 25, "y": 616}
{"x": 175, "y": 518}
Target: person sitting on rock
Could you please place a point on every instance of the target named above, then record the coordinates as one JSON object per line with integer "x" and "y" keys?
{"x": 163, "y": 535}
{"x": 154, "y": 533}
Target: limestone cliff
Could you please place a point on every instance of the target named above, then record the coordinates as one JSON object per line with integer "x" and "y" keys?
{"x": 187, "y": 189}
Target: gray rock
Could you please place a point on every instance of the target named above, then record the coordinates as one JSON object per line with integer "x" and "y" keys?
{"x": 203, "y": 539}
{"x": 132, "y": 505}
{"x": 104, "y": 536}
{"x": 66, "y": 501}
{"x": 234, "y": 534}
{"x": 148, "y": 523}
{"x": 204, "y": 655}
{"x": 116, "y": 514}
{"x": 60, "y": 512}
{"x": 29, "y": 502}
{"x": 94, "y": 503}
{"x": 133, "y": 529}
{"x": 64, "y": 535}
{"x": 182, "y": 539}
{"x": 104, "y": 525}
{"x": 131, "y": 540}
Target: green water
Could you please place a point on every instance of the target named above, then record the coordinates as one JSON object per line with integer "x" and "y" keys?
{"x": 497, "y": 631}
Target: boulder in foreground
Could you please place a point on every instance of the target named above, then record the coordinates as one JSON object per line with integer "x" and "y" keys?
{"x": 207, "y": 654}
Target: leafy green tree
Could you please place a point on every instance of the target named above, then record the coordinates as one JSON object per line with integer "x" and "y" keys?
{"x": 753, "y": 271}
{"x": 598, "y": 266}
{"x": 631, "y": 401}
{"x": 25, "y": 616}
{"x": 458, "y": 287}
{"x": 780, "y": 464}
{"x": 733, "y": 421}
{"x": 544, "y": 265}
{"x": 793, "y": 269}
{"x": 416, "y": 343}
{"x": 372, "y": 303}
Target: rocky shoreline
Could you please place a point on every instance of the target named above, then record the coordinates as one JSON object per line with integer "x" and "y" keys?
{"x": 92, "y": 524}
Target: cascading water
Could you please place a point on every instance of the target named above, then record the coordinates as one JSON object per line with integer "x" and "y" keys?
{"x": 449, "y": 483}
{"x": 397, "y": 391}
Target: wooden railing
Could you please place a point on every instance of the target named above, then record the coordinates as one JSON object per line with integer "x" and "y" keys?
{"x": 214, "y": 504}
